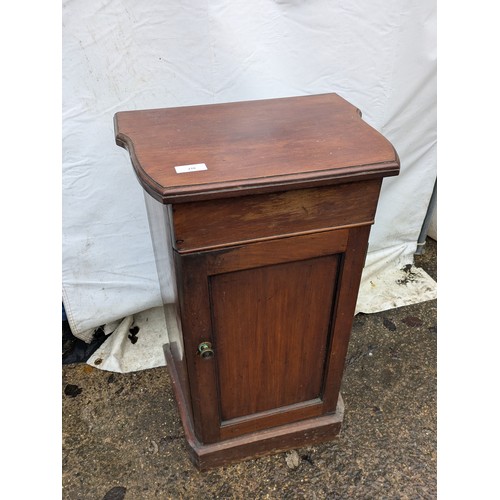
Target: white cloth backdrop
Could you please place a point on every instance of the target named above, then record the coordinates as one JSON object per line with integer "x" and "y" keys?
{"x": 124, "y": 54}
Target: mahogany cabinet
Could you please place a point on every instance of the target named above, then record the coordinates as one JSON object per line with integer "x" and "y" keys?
{"x": 260, "y": 213}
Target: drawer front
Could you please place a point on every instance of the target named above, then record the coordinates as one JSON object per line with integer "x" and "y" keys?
{"x": 233, "y": 221}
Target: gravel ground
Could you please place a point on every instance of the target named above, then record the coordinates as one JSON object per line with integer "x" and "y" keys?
{"x": 122, "y": 437}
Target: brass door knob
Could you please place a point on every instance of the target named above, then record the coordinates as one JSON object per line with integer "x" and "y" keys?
{"x": 205, "y": 350}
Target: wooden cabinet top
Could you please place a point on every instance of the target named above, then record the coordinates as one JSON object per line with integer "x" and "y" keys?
{"x": 251, "y": 147}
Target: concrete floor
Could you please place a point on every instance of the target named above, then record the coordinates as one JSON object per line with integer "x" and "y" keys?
{"x": 122, "y": 437}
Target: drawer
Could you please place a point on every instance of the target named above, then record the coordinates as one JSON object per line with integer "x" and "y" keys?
{"x": 212, "y": 224}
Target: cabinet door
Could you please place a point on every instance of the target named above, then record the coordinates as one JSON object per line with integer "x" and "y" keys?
{"x": 277, "y": 314}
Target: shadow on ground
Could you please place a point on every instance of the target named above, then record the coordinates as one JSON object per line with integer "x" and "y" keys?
{"x": 122, "y": 437}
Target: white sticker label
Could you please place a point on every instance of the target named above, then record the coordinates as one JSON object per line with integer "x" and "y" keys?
{"x": 190, "y": 168}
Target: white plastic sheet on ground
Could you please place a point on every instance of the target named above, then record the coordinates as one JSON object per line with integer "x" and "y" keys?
{"x": 123, "y": 54}
{"x": 123, "y": 353}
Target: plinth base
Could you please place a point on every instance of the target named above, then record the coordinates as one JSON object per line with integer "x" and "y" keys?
{"x": 276, "y": 439}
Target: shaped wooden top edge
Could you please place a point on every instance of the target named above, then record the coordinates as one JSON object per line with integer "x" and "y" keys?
{"x": 149, "y": 184}
{"x": 150, "y": 138}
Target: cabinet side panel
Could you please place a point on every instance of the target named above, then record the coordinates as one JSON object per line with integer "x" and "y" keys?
{"x": 271, "y": 334}
{"x": 160, "y": 225}
{"x": 160, "y": 229}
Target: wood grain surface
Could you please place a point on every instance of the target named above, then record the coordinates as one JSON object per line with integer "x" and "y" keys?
{"x": 267, "y": 308}
{"x": 270, "y": 355}
{"x": 252, "y": 146}
{"x": 217, "y": 223}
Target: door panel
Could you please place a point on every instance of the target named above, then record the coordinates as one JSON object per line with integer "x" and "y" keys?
{"x": 268, "y": 309}
{"x": 271, "y": 326}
